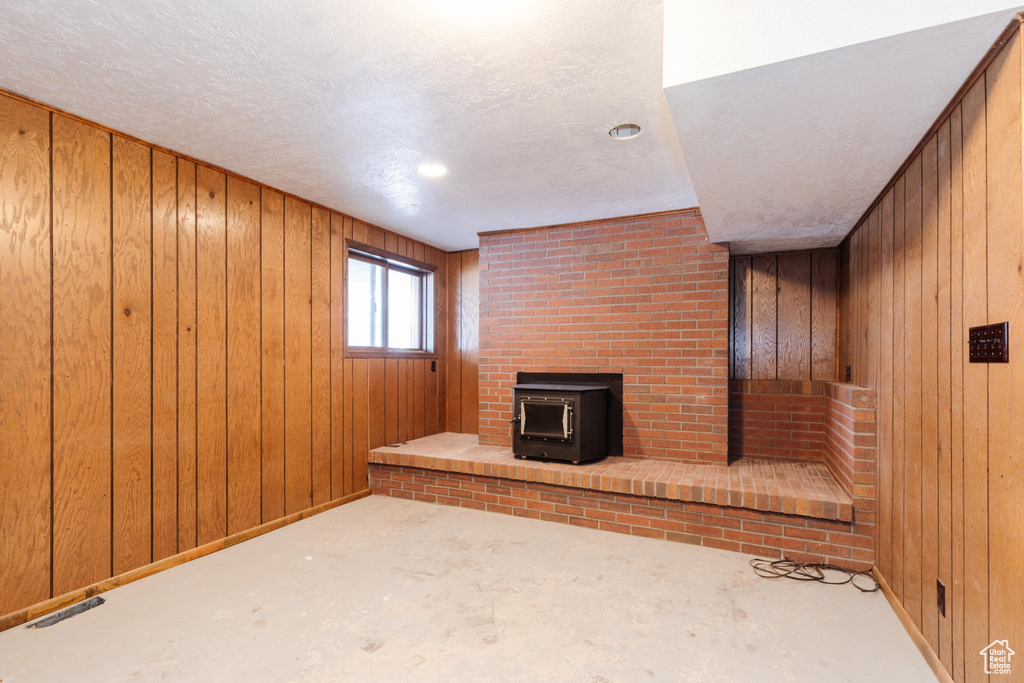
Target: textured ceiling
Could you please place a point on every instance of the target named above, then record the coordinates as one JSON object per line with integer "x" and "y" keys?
{"x": 789, "y": 155}
{"x": 337, "y": 102}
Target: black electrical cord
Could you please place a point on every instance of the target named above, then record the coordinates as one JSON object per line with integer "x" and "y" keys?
{"x": 811, "y": 571}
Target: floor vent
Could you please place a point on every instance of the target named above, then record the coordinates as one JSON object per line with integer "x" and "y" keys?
{"x": 67, "y": 612}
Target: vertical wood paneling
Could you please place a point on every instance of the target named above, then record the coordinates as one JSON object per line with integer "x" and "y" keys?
{"x": 454, "y": 322}
{"x": 243, "y": 361}
{"x": 824, "y": 267}
{"x": 976, "y": 383}
{"x": 391, "y": 402}
{"x": 944, "y": 402}
{"x": 844, "y": 294}
{"x": 419, "y": 397}
{"x": 298, "y": 358}
{"x": 956, "y": 247}
{"x": 349, "y": 399}
{"x": 803, "y": 287}
{"x": 401, "y": 397}
{"x": 794, "y": 315}
{"x": 440, "y": 375}
{"x": 899, "y": 398}
{"x": 165, "y": 355}
{"x": 339, "y": 255}
{"x": 863, "y": 374}
{"x": 132, "y": 346}
{"x": 211, "y": 355}
{"x": 873, "y": 258}
{"x": 469, "y": 341}
{"x": 376, "y": 401}
{"x": 273, "y": 347}
{"x": 81, "y": 354}
{"x": 186, "y": 355}
{"x": 740, "y": 328}
{"x": 321, "y": 349}
{"x": 912, "y": 385}
{"x": 25, "y": 355}
{"x": 432, "y": 406}
{"x": 955, "y": 507}
{"x": 857, "y": 324}
{"x": 410, "y": 397}
{"x": 350, "y": 233}
{"x": 929, "y": 390}
{"x": 144, "y": 319}
{"x": 764, "y": 320}
{"x": 883, "y": 539}
{"x": 360, "y": 424}
{"x": 1005, "y": 199}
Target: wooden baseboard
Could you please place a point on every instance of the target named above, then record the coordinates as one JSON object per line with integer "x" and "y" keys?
{"x": 915, "y": 633}
{"x": 61, "y": 601}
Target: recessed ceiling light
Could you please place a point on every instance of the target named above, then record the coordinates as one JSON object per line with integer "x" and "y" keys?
{"x": 625, "y": 131}
{"x": 431, "y": 170}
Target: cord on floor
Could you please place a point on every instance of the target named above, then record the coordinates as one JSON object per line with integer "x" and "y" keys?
{"x": 812, "y": 571}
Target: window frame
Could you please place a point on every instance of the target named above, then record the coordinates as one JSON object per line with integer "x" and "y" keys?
{"x": 404, "y": 264}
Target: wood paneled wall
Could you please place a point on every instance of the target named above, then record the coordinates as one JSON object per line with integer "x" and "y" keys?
{"x": 783, "y": 316}
{"x": 940, "y": 252}
{"x": 463, "y": 341}
{"x": 171, "y": 363}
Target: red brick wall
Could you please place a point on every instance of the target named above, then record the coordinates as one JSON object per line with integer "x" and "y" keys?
{"x": 850, "y": 440}
{"x": 766, "y": 534}
{"x": 777, "y": 419}
{"x": 643, "y": 296}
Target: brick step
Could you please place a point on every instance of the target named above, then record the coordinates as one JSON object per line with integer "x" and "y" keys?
{"x": 805, "y": 489}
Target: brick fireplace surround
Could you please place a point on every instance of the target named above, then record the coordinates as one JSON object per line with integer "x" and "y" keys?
{"x": 647, "y": 297}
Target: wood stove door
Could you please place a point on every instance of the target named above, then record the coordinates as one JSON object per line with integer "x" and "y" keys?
{"x": 547, "y": 419}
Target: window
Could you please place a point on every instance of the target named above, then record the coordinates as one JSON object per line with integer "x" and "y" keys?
{"x": 390, "y": 303}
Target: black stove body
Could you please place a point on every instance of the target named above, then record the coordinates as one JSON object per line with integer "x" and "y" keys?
{"x": 561, "y": 422}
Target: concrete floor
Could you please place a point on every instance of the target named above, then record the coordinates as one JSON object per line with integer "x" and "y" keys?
{"x": 385, "y": 589}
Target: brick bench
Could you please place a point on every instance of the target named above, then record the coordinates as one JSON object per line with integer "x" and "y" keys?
{"x": 793, "y": 509}
{"x": 796, "y": 488}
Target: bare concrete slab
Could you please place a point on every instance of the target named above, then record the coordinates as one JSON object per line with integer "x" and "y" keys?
{"x": 386, "y": 589}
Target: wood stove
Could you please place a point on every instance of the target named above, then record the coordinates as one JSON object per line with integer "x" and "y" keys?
{"x": 563, "y": 422}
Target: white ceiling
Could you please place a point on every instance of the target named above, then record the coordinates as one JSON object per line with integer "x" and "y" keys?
{"x": 761, "y": 33}
{"x": 789, "y": 154}
{"x": 337, "y": 101}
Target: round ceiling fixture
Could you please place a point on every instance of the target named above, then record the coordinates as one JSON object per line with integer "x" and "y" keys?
{"x": 431, "y": 170}
{"x": 625, "y": 131}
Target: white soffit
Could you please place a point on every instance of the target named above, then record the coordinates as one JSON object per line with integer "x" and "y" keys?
{"x": 708, "y": 38}
{"x": 338, "y": 102}
{"x": 788, "y": 155}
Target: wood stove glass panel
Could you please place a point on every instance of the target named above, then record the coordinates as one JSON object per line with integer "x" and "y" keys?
{"x": 549, "y": 419}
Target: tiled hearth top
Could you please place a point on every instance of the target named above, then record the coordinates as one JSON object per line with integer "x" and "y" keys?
{"x": 795, "y": 488}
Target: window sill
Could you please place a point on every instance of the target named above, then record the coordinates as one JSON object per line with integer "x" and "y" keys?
{"x": 360, "y": 353}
